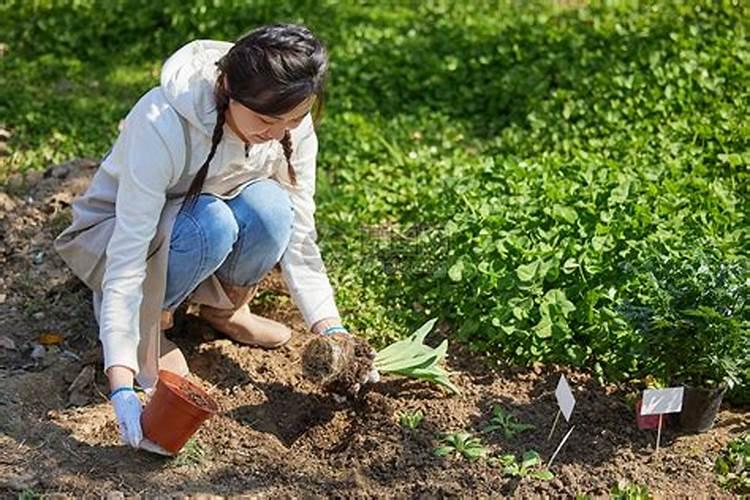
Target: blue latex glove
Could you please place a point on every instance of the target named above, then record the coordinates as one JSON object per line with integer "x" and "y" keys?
{"x": 128, "y": 411}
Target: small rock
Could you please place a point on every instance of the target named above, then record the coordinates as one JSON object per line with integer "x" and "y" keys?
{"x": 38, "y": 258}
{"x": 38, "y": 315}
{"x": 115, "y": 495}
{"x": 7, "y": 343}
{"x": 3, "y": 298}
{"x": 38, "y": 351}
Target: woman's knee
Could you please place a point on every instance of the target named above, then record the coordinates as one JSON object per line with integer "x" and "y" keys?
{"x": 208, "y": 227}
{"x": 265, "y": 214}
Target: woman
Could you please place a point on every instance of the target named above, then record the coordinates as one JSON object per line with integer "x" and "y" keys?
{"x": 209, "y": 184}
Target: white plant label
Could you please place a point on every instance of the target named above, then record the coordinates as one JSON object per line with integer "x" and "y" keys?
{"x": 565, "y": 399}
{"x": 660, "y": 401}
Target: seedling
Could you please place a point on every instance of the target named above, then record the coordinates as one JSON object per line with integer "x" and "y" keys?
{"x": 505, "y": 422}
{"x": 410, "y": 419}
{"x": 412, "y": 358}
{"x": 463, "y": 443}
{"x": 530, "y": 466}
{"x": 626, "y": 491}
{"x": 191, "y": 454}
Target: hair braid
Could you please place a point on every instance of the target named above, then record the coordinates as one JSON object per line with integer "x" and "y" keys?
{"x": 286, "y": 143}
{"x": 222, "y": 104}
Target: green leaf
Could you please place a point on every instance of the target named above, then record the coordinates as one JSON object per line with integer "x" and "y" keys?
{"x": 443, "y": 451}
{"x": 544, "y": 475}
{"x": 527, "y": 272}
{"x": 455, "y": 273}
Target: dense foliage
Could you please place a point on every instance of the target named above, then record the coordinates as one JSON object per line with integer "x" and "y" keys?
{"x": 502, "y": 165}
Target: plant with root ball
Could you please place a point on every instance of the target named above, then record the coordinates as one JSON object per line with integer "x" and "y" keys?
{"x": 506, "y": 423}
{"x": 412, "y": 358}
{"x": 462, "y": 443}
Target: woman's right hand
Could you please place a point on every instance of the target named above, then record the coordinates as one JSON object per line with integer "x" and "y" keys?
{"x": 126, "y": 404}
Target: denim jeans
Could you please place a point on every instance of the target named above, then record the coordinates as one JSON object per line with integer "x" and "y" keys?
{"x": 239, "y": 239}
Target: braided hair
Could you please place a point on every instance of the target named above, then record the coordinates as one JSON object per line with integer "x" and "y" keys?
{"x": 270, "y": 70}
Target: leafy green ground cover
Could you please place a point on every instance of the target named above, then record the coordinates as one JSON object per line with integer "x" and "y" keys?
{"x": 506, "y": 166}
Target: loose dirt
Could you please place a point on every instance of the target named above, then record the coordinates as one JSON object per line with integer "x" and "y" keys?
{"x": 281, "y": 435}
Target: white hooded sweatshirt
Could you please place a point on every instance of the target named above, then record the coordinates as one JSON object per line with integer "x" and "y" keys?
{"x": 148, "y": 161}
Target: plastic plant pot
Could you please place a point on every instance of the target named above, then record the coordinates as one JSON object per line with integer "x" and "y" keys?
{"x": 176, "y": 411}
{"x": 647, "y": 421}
{"x": 699, "y": 407}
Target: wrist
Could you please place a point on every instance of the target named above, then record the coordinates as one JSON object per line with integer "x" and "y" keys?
{"x": 119, "y": 376}
{"x": 120, "y": 390}
{"x": 328, "y": 326}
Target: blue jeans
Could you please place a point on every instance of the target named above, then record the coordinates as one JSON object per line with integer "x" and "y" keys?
{"x": 239, "y": 239}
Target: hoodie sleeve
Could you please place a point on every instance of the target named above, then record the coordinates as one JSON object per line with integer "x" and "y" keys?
{"x": 302, "y": 265}
{"x": 145, "y": 166}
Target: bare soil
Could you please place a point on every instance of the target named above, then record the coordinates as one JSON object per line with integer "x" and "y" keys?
{"x": 281, "y": 435}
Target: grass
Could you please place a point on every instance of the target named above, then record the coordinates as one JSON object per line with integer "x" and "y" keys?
{"x": 498, "y": 164}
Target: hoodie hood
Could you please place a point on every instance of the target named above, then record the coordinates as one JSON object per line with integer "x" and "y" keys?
{"x": 188, "y": 78}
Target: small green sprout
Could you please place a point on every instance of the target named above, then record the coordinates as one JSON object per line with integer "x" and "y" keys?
{"x": 530, "y": 466}
{"x": 626, "y": 491}
{"x": 410, "y": 419}
{"x": 192, "y": 453}
{"x": 463, "y": 443}
{"x": 505, "y": 422}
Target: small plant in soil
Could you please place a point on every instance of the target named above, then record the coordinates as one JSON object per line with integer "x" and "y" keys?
{"x": 506, "y": 423}
{"x": 192, "y": 453}
{"x": 462, "y": 443}
{"x": 410, "y": 419}
{"x": 529, "y": 466}
{"x": 627, "y": 491}
{"x": 733, "y": 466}
{"x": 412, "y": 358}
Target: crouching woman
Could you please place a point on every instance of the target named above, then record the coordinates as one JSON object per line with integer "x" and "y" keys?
{"x": 209, "y": 185}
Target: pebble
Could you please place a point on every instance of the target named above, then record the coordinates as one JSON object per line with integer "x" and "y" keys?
{"x": 38, "y": 315}
{"x": 38, "y": 351}
{"x": 115, "y": 495}
{"x": 38, "y": 258}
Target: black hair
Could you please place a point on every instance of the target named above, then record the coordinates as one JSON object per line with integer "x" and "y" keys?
{"x": 270, "y": 70}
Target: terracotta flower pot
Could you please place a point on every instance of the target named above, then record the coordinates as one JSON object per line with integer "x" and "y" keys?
{"x": 700, "y": 406}
{"x": 176, "y": 410}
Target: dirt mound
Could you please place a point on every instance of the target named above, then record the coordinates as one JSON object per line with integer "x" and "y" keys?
{"x": 280, "y": 434}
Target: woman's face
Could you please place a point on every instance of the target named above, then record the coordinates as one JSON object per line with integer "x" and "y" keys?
{"x": 254, "y": 128}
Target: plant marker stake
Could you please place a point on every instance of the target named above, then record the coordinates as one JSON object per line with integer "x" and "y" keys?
{"x": 554, "y": 424}
{"x": 659, "y": 402}
{"x": 658, "y": 434}
{"x": 559, "y": 447}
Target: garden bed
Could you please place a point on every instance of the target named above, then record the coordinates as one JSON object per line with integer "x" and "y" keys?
{"x": 279, "y": 435}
